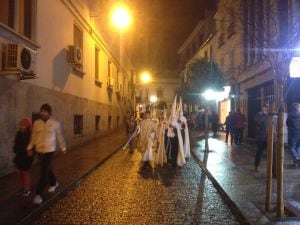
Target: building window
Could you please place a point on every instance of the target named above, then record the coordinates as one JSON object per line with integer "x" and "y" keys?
{"x": 78, "y": 124}
{"x": 221, "y": 40}
{"x": 78, "y": 36}
{"x": 7, "y": 11}
{"x": 109, "y": 122}
{"x": 97, "y": 52}
{"x": 18, "y": 15}
{"x": 230, "y": 30}
{"x": 118, "y": 120}
{"x": 109, "y": 68}
{"x": 159, "y": 93}
{"x": 117, "y": 82}
{"x": 124, "y": 85}
{"x": 252, "y": 33}
{"x": 231, "y": 27}
{"x": 97, "y": 122}
{"x": 121, "y": 88}
{"x": 78, "y": 42}
{"x": 205, "y": 54}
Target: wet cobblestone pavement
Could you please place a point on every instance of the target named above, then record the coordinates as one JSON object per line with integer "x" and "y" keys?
{"x": 117, "y": 194}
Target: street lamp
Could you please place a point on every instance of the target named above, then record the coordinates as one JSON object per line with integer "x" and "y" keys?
{"x": 121, "y": 17}
{"x": 153, "y": 99}
{"x": 145, "y": 77}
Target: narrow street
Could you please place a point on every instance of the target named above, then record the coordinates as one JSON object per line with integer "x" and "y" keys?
{"x": 117, "y": 194}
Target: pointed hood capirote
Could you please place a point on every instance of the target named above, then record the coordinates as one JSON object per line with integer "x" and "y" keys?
{"x": 165, "y": 113}
{"x": 173, "y": 118}
{"x": 180, "y": 109}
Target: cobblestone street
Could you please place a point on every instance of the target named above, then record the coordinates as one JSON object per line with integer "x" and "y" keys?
{"x": 117, "y": 194}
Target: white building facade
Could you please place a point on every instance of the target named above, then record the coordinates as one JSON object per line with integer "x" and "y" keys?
{"x": 53, "y": 53}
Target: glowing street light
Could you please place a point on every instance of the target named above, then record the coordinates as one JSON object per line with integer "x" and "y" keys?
{"x": 153, "y": 99}
{"x": 146, "y": 77}
{"x": 121, "y": 17}
{"x": 216, "y": 95}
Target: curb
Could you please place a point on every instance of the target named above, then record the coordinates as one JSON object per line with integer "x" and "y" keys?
{"x": 227, "y": 200}
{"x": 66, "y": 189}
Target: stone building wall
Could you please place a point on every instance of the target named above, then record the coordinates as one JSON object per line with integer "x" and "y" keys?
{"x": 19, "y": 99}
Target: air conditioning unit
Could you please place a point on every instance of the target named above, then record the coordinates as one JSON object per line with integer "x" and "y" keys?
{"x": 19, "y": 58}
{"x": 110, "y": 82}
{"x": 74, "y": 55}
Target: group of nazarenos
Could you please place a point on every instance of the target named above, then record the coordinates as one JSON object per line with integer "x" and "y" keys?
{"x": 164, "y": 141}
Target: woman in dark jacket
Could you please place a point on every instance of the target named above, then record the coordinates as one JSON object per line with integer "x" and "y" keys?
{"x": 22, "y": 160}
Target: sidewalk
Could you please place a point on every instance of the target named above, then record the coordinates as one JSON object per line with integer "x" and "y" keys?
{"x": 69, "y": 169}
{"x": 232, "y": 169}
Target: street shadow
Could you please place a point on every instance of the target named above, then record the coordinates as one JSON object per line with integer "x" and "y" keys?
{"x": 200, "y": 198}
{"x": 167, "y": 174}
{"x": 148, "y": 173}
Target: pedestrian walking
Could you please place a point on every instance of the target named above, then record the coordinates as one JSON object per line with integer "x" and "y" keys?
{"x": 214, "y": 119}
{"x": 22, "y": 160}
{"x": 147, "y": 139}
{"x": 229, "y": 127}
{"x": 293, "y": 125}
{"x": 261, "y": 122}
{"x": 131, "y": 125}
{"x": 239, "y": 120}
{"x": 45, "y": 133}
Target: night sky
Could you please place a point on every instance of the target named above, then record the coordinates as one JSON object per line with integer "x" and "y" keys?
{"x": 159, "y": 28}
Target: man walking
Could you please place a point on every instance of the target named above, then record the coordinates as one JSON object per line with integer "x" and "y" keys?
{"x": 261, "y": 122}
{"x": 131, "y": 125}
{"x": 45, "y": 133}
{"x": 293, "y": 124}
{"x": 238, "y": 125}
{"x": 229, "y": 127}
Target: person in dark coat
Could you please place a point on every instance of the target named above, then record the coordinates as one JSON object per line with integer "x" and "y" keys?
{"x": 22, "y": 160}
{"x": 238, "y": 126}
{"x": 229, "y": 127}
{"x": 261, "y": 122}
{"x": 171, "y": 144}
{"x": 293, "y": 125}
{"x": 214, "y": 119}
{"x": 131, "y": 125}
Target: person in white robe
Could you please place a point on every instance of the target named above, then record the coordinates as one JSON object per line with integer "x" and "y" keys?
{"x": 148, "y": 139}
{"x": 186, "y": 137}
{"x": 161, "y": 156}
